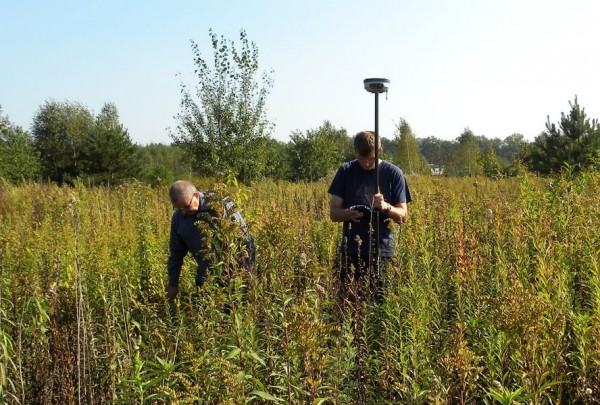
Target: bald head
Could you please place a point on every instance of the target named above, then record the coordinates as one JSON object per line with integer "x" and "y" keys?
{"x": 181, "y": 189}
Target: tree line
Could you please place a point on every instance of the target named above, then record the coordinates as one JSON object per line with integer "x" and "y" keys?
{"x": 222, "y": 129}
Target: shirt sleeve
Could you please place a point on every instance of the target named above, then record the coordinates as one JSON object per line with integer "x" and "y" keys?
{"x": 177, "y": 251}
{"x": 400, "y": 189}
{"x": 337, "y": 184}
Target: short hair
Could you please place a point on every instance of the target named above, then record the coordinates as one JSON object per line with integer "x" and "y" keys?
{"x": 181, "y": 188}
{"x": 364, "y": 143}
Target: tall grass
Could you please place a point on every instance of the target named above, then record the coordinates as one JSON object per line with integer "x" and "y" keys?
{"x": 493, "y": 297}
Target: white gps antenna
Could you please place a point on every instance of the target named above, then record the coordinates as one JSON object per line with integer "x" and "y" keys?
{"x": 377, "y": 86}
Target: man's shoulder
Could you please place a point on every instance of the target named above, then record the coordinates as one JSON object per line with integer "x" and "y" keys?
{"x": 391, "y": 168}
{"x": 211, "y": 204}
{"x": 348, "y": 166}
{"x": 345, "y": 172}
{"x": 177, "y": 215}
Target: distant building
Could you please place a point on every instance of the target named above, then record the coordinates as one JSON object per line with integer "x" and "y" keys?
{"x": 436, "y": 170}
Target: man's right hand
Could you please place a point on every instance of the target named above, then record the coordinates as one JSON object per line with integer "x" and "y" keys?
{"x": 354, "y": 214}
{"x": 172, "y": 292}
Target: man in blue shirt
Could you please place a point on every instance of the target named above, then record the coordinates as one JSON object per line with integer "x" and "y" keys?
{"x": 357, "y": 203}
{"x": 191, "y": 206}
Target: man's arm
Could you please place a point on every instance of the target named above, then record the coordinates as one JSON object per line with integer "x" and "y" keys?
{"x": 174, "y": 265}
{"x": 398, "y": 212}
{"x": 177, "y": 251}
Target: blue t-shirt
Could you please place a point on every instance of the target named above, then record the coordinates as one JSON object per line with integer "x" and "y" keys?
{"x": 186, "y": 237}
{"x": 356, "y": 186}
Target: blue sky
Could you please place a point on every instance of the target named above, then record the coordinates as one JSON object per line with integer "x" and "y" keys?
{"x": 496, "y": 66}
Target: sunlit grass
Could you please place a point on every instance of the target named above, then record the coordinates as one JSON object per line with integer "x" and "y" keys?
{"x": 494, "y": 298}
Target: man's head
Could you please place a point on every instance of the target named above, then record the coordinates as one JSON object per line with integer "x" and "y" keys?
{"x": 364, "y": 147}
{"x": 184, "y": 196}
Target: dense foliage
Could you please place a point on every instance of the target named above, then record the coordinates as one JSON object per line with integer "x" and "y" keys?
{"x": 19, "y": 160}
{"x": 73, "y": 144}
{"x": 319, "y": 152}
{"x": 406, "y": 150}
{"x": 494, "y": 298}
{"x": 163, "y": 164}
{"x": 103, "y": 152}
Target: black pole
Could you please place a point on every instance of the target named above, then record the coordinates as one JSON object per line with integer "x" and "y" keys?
{"x": 376, "y": 86}
{"x": 377, "y": 142}
{"x": 377, "y": 181}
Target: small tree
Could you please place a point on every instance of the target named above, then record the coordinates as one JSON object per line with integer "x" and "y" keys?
{"x": 222, "y": 125}
{"x": 406, "y": 147}
{"x": 109, "y": 156}
{"x": 575, "y": 142}
{"x": 489, "y": 163}
{"x": 60, "y": 131}
{"x": 318, "y": 152}
{"x": 511, "y": 147}
{"x": 465, "y": 155}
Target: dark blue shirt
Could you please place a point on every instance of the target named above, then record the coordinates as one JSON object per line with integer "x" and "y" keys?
{"x": 186, "y": 237}
{"x": 356, "y": 186}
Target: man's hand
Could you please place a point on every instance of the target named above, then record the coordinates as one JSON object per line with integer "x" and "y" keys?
{"x": 398, "y": 212}
{"x": 353, "y": 214}
{"x": 172, "y": 292}
{"x": 379, "y": 203}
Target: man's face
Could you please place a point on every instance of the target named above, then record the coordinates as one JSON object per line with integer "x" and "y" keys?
{"x": 366, "y": 162}
{"x": 186, "y": 206}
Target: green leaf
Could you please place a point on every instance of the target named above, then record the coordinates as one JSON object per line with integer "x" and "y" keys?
{"x": 136, "y": 324}
{"x": 266, "y": 395}
{"x": 241, "y": 377}
{"x": 258, "y": 383}
{"x": 233, "y": 353}
{"x": 256, "y": 357}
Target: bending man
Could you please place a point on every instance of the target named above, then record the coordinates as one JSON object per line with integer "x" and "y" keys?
{"x": 190, "y": 207}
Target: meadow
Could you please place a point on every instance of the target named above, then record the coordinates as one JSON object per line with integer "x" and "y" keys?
{"x": 494, "y": 297}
